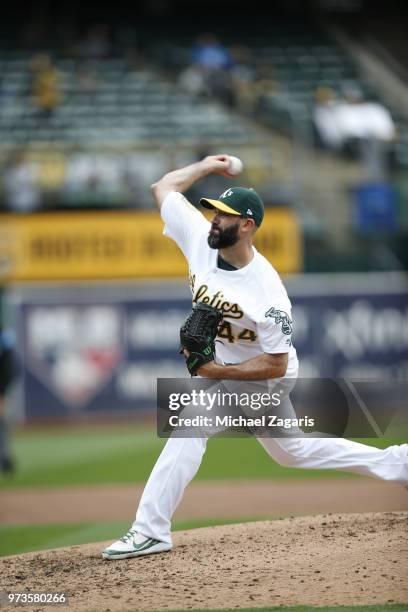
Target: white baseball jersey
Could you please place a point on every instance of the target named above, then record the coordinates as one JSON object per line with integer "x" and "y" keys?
{"x": 255, "y": 304}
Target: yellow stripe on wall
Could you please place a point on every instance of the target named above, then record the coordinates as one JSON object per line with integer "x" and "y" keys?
{"x": 102, "y": 245}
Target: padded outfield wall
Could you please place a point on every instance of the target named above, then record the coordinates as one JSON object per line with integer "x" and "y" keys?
{"x": 89, "y": 349}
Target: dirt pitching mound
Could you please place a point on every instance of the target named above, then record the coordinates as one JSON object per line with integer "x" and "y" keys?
{"x": 320, "y": 560}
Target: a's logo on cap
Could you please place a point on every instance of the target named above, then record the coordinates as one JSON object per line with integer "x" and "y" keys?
{"x": 249, "y": 212}
{"x": 226, "y": 194}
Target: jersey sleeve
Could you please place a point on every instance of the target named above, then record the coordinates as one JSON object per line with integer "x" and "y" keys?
{"x": 275, "y": 327}
{"x": 182, "y": 222}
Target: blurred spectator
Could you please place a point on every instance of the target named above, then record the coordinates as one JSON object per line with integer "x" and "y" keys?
{"x": 209, "y": 53}
{"x": 213, "y": 61}
{"x": 368, "y": 131}
{"x": 326, "y": 125}
{"x": 20, "y": 182}
{"x": 361, "y": 129}
{"x": 7, "y": 374}
{"x": 132, "y": 189}
{"x": 361, "y": 119}
{"x": 264, "y": 84}
{"x": 46, "y": 84}
{"x": 242, "y": 79}
{"x": 193, "y": 80}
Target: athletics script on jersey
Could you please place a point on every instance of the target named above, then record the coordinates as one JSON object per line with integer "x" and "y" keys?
{"x": 217, "y": 300}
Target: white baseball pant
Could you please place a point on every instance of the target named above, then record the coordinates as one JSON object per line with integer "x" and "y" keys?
{"x": 181, "y": 457}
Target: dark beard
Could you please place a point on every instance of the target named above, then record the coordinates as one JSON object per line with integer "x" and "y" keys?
{"x": 223, "y": 238}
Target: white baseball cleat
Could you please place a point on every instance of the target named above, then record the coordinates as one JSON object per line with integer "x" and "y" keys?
{"x": 134, "y": 544}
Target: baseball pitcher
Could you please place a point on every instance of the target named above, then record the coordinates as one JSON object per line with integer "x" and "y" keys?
{"x": 253, "y": 344}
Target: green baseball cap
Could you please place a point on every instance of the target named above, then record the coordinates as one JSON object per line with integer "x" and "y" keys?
{"x": 238, "y": 201}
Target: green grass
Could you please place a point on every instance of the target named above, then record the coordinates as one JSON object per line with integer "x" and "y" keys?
{"x": 57, "y": 456}
{"x": 24, "y": 538}
{"x": 50, "y": 457}
{"x": 375, "y": 608}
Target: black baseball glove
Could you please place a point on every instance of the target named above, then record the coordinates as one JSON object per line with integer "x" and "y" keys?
{"x": 198, "y": 334}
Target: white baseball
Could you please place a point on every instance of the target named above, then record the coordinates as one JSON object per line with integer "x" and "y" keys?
{"x": 235, "y": 165}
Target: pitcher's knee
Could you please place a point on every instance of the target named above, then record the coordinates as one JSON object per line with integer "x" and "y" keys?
{"x": 291, "y": 452}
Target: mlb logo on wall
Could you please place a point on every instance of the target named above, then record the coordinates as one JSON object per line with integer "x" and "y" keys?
{"x": 73, "y": 350}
